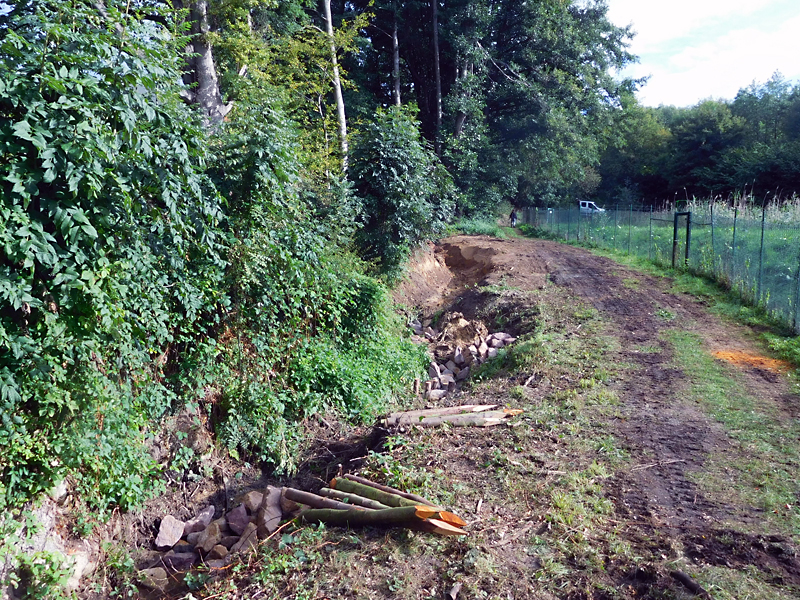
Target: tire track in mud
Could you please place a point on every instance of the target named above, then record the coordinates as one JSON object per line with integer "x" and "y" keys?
{"x": 668, "y": 436}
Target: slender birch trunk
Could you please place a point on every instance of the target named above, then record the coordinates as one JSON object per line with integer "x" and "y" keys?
{"x": 337, "y": 86}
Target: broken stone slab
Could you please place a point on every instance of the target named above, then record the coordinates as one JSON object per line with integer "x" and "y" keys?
{"x": 492, "y": 352}
{"x": 249, "y": 539}
{"x": 194, "y": 537}
{"x": 200, "y": 522}
{"x": 183, "y": 547}
{"x": 451, "y": 366}
{"x": 252, "y": 501}
{"x": 445, "y": 380}
{"x": 483, "y": 349}
{"x": 509, "y": 340}
{"x": 462, "y": 374}
{"x": 473, "y": 350}
{"x": 238, "y": 519}
{"x": 179, "y": 561}
{"x": 501, "y": 335}
{"x": 210, "y": 537}
{"x": 458, "y": 356}
{"x": 154, "y": 579}
{"x": 436, "y": 394}
{"x": 169, "y": 532}
{"x": 217, "y": 552}
{"x": 229, "y": 540}
{"x": 433, "y": 370}
{"x": 270, "y": 513}
{"x": 496, "y": 343}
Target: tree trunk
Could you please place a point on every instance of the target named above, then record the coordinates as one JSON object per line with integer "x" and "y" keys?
{"x": 437, "y": 74}
{"x": 395, "y": 60}
{"x": 390, "y": 490}
{"x": 337, "y": 85}
{"x": 207, "y": 93}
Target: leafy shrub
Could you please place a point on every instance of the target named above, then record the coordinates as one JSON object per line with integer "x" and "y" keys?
{"x": 408, "y": 194}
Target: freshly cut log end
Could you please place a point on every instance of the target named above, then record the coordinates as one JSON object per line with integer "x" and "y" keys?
{"x": 441, "y": 528}
{"x": 451, "y": 518}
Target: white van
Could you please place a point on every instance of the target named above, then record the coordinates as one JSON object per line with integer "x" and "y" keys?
{"x": 588, "y": 208}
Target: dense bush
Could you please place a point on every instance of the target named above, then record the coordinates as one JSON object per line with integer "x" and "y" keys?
{"x": 147, "y": 263}
{"x": 408, "y": 195}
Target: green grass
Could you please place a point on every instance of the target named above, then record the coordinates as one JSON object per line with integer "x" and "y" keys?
{"x": 480, "y": 226}
{"x": 762, "y": 472}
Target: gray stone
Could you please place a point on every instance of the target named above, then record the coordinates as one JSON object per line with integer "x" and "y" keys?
{"x": 200, "y": 522}
{"x": 194, "y": 537}
{"x": 154, "y": 579}
{"x": 229, "y": 540}
{"x": 496, "y": 343}
{"x": 58, "y": 493}
{"x": 248, "y": 541}
{"x": 433, "y": 370}
{"x": 445, "y": 371}
{"x": 509, "y": 340}
{"x": 458, "y": 357}
{"x": 210, "y": 537}
{"x": 462, "y": 374}
{"x": 179, "y": 561}
{"x": 183, "y": 547}
{"x": 270, "y": 513}
{"x": 501, "y": 336}
{"x": 491, "y": 353}
{"x": 445, "y": 380}
{"x": 437, "y": 394}
{"x": 238, "y": 519}
{"x": 252, "y": 501}
{"x": 483, "y": 350}
{"x": 169, "y": 532}
{"x": 473, "y": 350}
{"x": 451, "y": 366}
{"x": 217, "y": 552}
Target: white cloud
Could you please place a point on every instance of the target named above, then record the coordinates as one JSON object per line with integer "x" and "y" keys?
{"x": 710, "y": 48}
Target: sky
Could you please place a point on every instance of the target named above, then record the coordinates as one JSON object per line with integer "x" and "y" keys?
{"x": 698, "y": 49}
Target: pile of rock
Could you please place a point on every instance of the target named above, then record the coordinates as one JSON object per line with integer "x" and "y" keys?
{"x": 447, "y": 371}
{"x": 204, "y": 540}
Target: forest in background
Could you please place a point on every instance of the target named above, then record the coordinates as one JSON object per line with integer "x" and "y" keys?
{"x": 204, "y": 203}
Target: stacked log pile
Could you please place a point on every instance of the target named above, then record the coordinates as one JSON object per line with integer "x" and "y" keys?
{"x": 350, "y": 501}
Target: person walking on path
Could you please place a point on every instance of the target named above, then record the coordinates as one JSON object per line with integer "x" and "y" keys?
{"x": 513, "y": 217}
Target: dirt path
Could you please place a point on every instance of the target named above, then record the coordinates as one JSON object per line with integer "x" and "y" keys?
{"x": 669, "y": 437}
{"x": 638, "y": 455}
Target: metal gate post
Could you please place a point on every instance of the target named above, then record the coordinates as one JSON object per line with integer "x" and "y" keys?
{"x": 569, "y": 221}
{"x": 713, "y": 245}
{"x": 675, "y": 240}
{"x": 630, "y": 224}
{"x": 761, "y": 255}
{"x": 688, "y": 236}
{"x": 733, "y": 256}
{"x": 650, "y": 245}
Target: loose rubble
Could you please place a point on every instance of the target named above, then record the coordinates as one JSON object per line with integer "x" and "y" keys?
{"x": 459, "y": 347}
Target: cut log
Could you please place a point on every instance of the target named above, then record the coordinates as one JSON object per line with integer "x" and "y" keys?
{"x": 315, "y": 501}
{"x": 479, "y": 419}
{"x": 411, "y": 416}
{"x": 390, "y": 490}
{"x": 402, "y": 515}
{"x": 353, "y": 499}
{"x": 353, "y": 487}
{"x": 438, "y": 527}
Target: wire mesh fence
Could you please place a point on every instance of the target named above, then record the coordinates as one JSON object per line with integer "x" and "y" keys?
{"x": 752, "y": 251}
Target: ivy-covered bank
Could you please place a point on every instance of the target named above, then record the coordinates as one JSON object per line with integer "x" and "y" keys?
{"x": 150, "y": 260}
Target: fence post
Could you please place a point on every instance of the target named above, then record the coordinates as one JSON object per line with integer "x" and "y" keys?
{"x": 713, "y": 246}
{"x": 616, "y": 214}
{"x": 733, "y": 255}
{"x": 688, "y": 236}
{"x": 761, "y": 255}
{"x": 650, "y": 244}
{"x": 630, "y": 224}
{"x": 675, "y": 240}
{"x": 569, "y": 221}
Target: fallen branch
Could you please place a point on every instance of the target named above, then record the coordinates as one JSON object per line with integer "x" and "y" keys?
{"x": 657, "y": 464}
{"x": 402, "y": 515}
{"x": 319, "y": 502}
{"x": 390, "y": 490}
{"x": 690, "y": 584}
{"x": 352, "y": 499}
{"x": 412, "y": 416}
{"x": 482, "y": 419}
{"x": 388, "y": 498}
